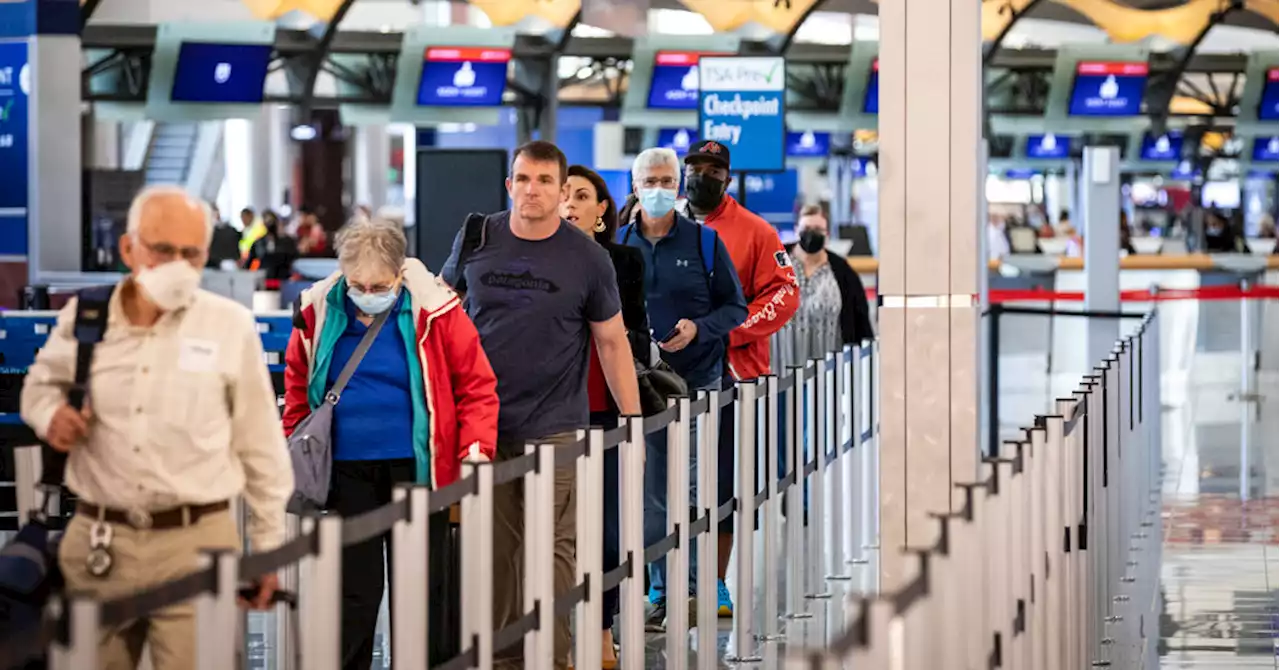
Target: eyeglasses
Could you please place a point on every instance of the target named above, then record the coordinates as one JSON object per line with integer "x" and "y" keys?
{"x": 659, "y": 182}
{"x": 169, "y": 251}
{"x": 382, "y": 287}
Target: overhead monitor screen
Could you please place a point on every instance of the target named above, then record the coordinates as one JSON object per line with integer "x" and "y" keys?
{"x": 1185, "y": 171}
{"x": 463, "y": 77}
{"x": 220, "y": 73}
{"x": 1166, "y": 147}
{"x": 871, "y": 101}
{"x": 675, "y": 80}
{"x": 1269, "y": 108}
{"x": 1048, "y": 146}
{"x": 1266, "y": 149}
{"x": 808, "y": 144}
{"x": 1108, "y": 89}
{"x": 1220, "y": 195}
{"x": 677, "y": 139}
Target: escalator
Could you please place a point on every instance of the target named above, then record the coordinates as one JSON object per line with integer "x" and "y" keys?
{"x": 172, "y": 148}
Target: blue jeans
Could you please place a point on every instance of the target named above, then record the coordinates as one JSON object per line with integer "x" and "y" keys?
{"x": 655, "y": 486}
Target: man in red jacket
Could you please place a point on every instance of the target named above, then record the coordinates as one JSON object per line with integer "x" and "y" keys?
{"x": 768, "y": 283}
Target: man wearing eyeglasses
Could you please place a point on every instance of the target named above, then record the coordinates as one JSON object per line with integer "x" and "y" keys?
{"x": 180, "y": 418}
{"x": 694, "y": 301}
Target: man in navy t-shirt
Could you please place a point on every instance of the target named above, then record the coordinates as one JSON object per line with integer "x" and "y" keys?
{"x": 538, "y": 291}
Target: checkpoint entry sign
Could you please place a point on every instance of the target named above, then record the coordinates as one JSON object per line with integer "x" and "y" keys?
{"x": 742, "y": 104}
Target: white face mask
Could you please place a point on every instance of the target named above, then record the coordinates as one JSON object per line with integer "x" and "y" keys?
{"x": 169, "y": 286}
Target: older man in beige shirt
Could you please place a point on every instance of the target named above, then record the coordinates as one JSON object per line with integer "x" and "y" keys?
{"x": 180, "y": 419}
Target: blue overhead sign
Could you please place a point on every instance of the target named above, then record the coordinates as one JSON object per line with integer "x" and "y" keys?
{"x": 808, "y": 144}
{"x": 230, "y": 73}
{"x": 677, "y": 139}
{"x": 1166, "y": 147}
{"x": 15, "y": 86}
{"x": 772, "y": 197}
{"x": 463, "y": 77}
{"x": 1269, "y": 108}
{"x": 1048, "y": 146}
{"x": 741, "y": 104}
{"x": 1108, "y": 89}
{"x": 1266, "y": 149}
{"x": 871, "y": 99}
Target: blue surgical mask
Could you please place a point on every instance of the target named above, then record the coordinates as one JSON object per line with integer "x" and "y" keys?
{"x": 372, "y": 303}
{"x": 657, "y": 202}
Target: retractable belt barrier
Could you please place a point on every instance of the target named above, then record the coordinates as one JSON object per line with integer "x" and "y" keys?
{"x": 1052, "y": 561}
{"x": 826, "y": 410}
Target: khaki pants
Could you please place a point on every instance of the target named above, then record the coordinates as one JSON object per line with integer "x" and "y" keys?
{"x": 508, "y": 552}
{"x": 145, "y": 558}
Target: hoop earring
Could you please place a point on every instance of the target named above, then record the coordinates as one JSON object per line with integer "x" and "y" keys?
{"x": 599, "y": 227}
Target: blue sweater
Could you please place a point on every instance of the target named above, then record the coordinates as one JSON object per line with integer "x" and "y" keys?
{"x": 677, "y": 287}
{"x": 374, "y": 418}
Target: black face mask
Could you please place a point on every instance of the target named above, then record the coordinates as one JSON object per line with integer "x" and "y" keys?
{"x": 704, "y": 191}
{"x": 812, "y": 241}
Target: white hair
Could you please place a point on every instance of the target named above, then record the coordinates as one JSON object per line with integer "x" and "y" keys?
{"x": 653, "y": 158}
{"x": 149, "y": 192}
{"x": 377, "y": 241}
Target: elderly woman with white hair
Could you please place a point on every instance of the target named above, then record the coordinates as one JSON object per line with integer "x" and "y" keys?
{"x": 422, "y": 398}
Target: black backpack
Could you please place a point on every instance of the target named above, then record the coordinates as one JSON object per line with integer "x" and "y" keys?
{"x": 474, "y": 235}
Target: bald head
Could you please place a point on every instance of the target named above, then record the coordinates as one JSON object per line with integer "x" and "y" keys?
{"x": 166, "y": 223}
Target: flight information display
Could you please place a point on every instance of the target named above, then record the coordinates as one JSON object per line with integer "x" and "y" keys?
{"x": 463, "y": 77}
{"x": 1048, "y": 146}
{"x": 675, "y": 80}
{"x": 871, "y": 101}
{"x": 220, "y": 73}
{"x": 1166, "y": 147}
{"x": 1269, "y": 108}
{"x": 677, "y": 139}
{"x": 808, "y": 144}
{"x": 1108, "y": 89}
{"x": 1266, "y": 149}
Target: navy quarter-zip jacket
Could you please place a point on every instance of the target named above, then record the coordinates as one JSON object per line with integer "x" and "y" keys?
{"x": 677, "y": 287}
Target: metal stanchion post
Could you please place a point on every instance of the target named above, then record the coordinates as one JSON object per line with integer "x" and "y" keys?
{"x": 1019, "y": 571}
{"x": 26, "y": 475}
{"x": 1246, "y": 396}
{"x": 539, "y": 556}
{"x": 216, "y": 613}
{"x": 744, "y": 526}
{"x": 1038, "y": 551}
{"x": 588, "y": 616}
{"x": 837, "y": 565}
{"x": 825, "y": 427}
{"x": 631, "y": 502}
{"x": 477, "y": 565}
{"x": 769, "y": 515}
{"x": 1057, "y": 534}
{"x": 320, "y": 603}
{"x": 794, "y": 525}
{"x": 678, "y": 523}
{"x": 410, "y": 626}
{"x": 84, "y": 617}
{"x": 708, "y": 542}
{"x": 286, "y": 648}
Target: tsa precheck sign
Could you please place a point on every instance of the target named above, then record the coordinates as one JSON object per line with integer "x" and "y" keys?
{"x": 742, "y": 104}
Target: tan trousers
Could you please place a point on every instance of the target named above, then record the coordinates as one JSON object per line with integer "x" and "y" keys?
{"x": 145, "y": 558}
{"x": 508, "y": 553}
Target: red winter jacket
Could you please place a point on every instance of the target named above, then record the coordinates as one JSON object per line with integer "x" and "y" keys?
{"x": 768, "y": 283}
{"x": 461, "y": 389}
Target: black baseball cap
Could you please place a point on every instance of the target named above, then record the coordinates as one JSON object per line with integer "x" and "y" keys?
{"x": 709, "y": 150}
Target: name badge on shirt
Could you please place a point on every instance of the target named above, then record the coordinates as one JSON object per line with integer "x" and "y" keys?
{"x": 197, "y": 355}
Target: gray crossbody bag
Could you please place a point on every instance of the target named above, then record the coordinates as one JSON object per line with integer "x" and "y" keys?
{"x": 311, "y": 444}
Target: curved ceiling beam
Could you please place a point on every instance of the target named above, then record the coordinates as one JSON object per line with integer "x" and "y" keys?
{"x": 559, "y": 13}
{"x": 87, "y": 8}
{"x": 1124, "y": 24}
{"x": 783, "y": 40}
{"x": 1163, "y": 98}
{"x": 1009, "y": 13}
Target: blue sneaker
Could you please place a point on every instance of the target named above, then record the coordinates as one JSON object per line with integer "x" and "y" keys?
{"x": 726, "y": 601}
{"x": 656, "y": 597}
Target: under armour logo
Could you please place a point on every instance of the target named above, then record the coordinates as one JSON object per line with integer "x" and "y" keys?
{"x": 682, "y": 263}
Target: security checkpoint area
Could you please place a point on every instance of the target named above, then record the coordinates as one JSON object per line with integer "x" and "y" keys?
{"x": 1011, "y": 398}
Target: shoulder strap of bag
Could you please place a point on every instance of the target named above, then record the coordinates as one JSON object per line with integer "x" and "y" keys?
{"x": 624, "y": 234}
{"x": 707, "y": 251}
{"x": 473, "y": 239}
{"x": 89, "y": 329}
{"x": 356, "y": 356}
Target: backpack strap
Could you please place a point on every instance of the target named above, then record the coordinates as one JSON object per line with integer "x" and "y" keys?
{"x": 707, "y": 249}
{"x": 89, "y": 328}
{"x": 474, "y": 234}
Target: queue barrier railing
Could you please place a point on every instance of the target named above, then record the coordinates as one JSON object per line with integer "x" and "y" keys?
{"x": 818, "y": 414}
{"x": 1052, "y": 561}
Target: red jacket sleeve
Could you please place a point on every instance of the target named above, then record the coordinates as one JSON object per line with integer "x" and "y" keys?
{"x": 296, "y": 376}
{"x": 475, "y": 387}
{"x": 771, "y": 290}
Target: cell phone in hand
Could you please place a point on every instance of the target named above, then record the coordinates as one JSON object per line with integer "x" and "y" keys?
{"x": 673, "y": 332}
